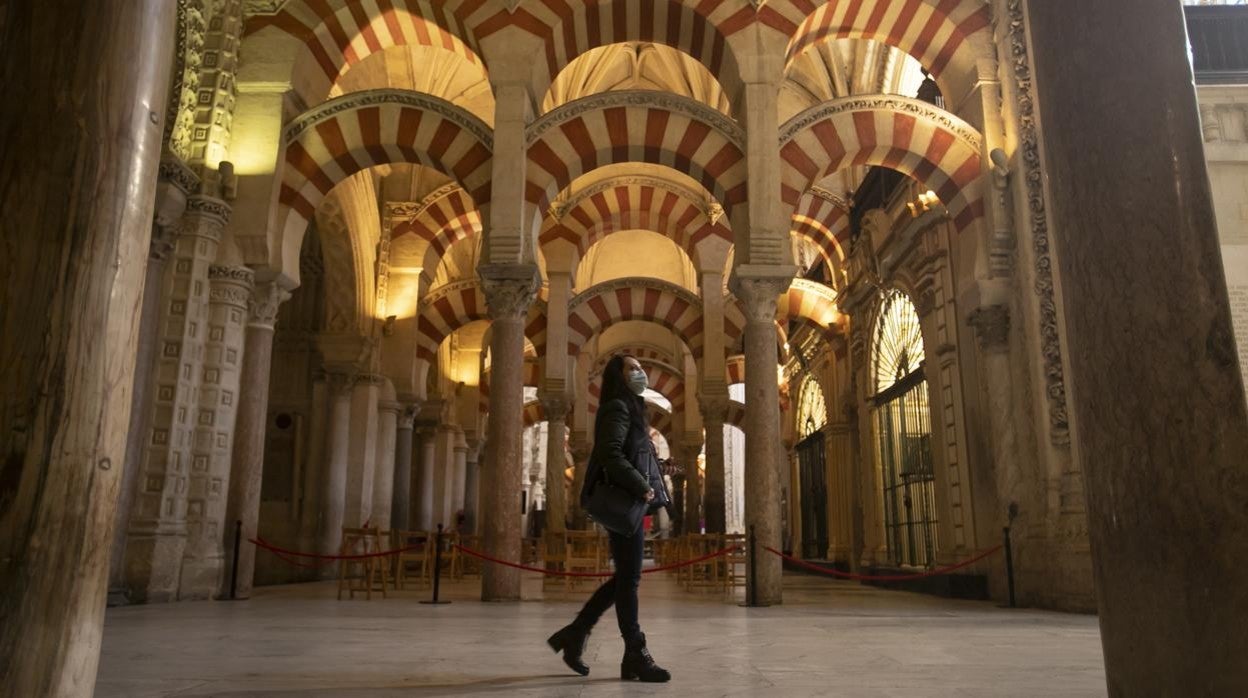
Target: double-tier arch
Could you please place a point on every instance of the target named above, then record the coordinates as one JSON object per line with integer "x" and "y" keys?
{"x": 364, "y": 129}
{"x": 451, "y": 306}
{"x": 441, "y": 219}
{"x": 633, "y": 126}
{"x": 915, "y": 138}
{"x": 621, "y": 300}
{"x": 822, "y": 219}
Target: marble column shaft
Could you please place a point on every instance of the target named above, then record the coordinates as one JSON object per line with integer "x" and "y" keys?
{"x": 401, "y": 498}
{"x": 693, "y": 489}
{"x": 509, "y": 291}
{"x": 422, "y": 487}
{"x": 556, "y": 407}
{"x": 157, "y": 532}
{"x": 247, "y": 467}
{"x": 207, "y": 491}
{"x": 362, "y": 450}
{"x": 459, "y": 479}
{"x": 758, "y": 296}
{"x": 81, "y": 137}
{"x": 714, "y": 502}
{"x": 333, "y": 490}
{"x": 472, "y": 490}
{"x": 1159, "y": 425}
{"x": 383, "y": 472}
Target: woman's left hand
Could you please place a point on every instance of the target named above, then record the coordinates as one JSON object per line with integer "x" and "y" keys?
{"x": 649, "y": 495}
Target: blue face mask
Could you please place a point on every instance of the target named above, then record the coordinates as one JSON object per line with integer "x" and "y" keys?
{"x": 637, "y": 381}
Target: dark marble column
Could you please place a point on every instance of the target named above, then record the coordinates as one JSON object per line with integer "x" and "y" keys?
{"x": 715, "y": 500}
{"x": 401, "y": 497}
{"x": 509, "y": 291}
{"x": 1158, "y": 420}
{"x": 80, "y": 134}
{"x": 758, "y": 293}
{"x": 247, "y": 467}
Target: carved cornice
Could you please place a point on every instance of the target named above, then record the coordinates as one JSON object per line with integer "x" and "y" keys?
{"x": 478, "y": 128}
{"x": 252, "y": 8}
{"x": 176, "y": 173}
{"x": 966, "y": 133}
{"x": 1029, "y": 138}
{"x": 831, "y": 197}
{"x": 209, "y": 207}
{"x": 637, "y": 98}
{"x": 410, "y": 210}
{"x": 435, "y": 294}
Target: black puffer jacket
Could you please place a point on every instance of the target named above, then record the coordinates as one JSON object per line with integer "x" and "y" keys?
{"x": 616, "y": 447}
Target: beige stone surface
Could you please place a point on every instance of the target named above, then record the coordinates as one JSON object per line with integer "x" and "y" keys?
{"x": 830, "y": 638}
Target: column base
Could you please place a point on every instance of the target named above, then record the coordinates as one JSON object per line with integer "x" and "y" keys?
{"x": 153, "y": 567}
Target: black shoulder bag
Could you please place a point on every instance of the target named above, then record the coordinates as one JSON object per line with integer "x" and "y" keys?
{"x": 615, "y": 508}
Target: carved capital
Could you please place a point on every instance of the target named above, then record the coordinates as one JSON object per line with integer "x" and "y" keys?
{"x": 407, "y": 415}
{"x": 509, "y": 289}
{"x": 556, "y": 406}
{"x": 714, "y": 409}
{"x": 264, "y": 303}
{"x": 205, "y": 217}
{"x": 758, "y": 295}
{"x": 230, "y": 285}
{"x": 992, "y": 326}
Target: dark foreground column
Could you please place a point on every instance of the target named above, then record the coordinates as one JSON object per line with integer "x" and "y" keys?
{"x": 1155, "y": 392}
{"x": 80, "y": 139}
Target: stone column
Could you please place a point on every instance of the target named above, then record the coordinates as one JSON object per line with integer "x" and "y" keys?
{"x": 509, "y": 291}
{"x": 714, "y": 503}
{"x": 309, "y": 505}
{"x": 401, "y": 500}
{"x": 203, "y": 562}
{"x": 1158, "y": 418}
{"x": 459, "y": 478}
{"x": 580, "y": 463}
{"x": 678, "y": 503}
{"x": 247, "y": 468}
{"x": 383, "y": 470}
{"x": 362, "y": 449}
{"x": 556, "y": 407}
{"x": 444, "y": 476}
{"x": 758, "y": 294}
{"x": 472, "y": 479}
{"x": 333, "y": 490}
{"x": 422, "y": 488}
{"x": 176, "y": 183}
{"x": 693, "y": 488}
{"x": 156, "y": 537}
{"x": 81, "y": 143}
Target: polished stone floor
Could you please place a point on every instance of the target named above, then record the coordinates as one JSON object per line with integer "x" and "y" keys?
{"x": 830, "y": 638}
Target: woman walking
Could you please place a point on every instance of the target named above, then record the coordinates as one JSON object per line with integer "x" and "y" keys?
{"x": 624, "y": 456}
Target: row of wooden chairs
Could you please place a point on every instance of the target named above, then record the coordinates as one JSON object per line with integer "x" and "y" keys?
{"x": 724, "y": 572}
{"x": 414, "y": 565}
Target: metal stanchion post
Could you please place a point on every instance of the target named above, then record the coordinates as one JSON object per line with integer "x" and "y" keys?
{"x": 238, "y": 541}
{"x": 437, "y": 569}
{"x": 1009, "y": 566}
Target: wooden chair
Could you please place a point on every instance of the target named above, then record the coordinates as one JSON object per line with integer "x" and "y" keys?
{"x": 584, "y": 551}
{"x": 735, "y": 563}
{"x": 469, "y": 565}
{"x": 415, "y": 561}
{"x": 554, "y": 555}
{"x": 706, "y": 573}
{"x": 362, "y": 575}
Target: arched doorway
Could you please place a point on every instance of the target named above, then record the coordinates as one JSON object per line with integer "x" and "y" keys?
{"x": 812, "y": 416}
{"x": 903, "y": 433}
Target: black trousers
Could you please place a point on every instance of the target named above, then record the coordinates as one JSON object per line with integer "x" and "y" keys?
{"x": 621, "y": 589}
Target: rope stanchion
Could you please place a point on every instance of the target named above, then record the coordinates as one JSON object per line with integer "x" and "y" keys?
{"x": 554, "y": 573}
{"x": 885, "y": 577}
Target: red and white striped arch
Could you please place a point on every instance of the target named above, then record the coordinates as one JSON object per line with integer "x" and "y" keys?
{"x": 812, "y": 302}
{"x": 641, "y": 352}
{"x": 944, "y": 36}
{"x": 443, "y": 219}
{"x": 634, "y": 203}
{"x": 913, "y": 137}
{"x": 634, "y": 126}
{"x": 449, "y": 307}
{"x": 663, "y": 379}
{"x": 569, "y": 28}
{"x": 611, "y": 302}
{"x": 661, "y": 421}
{"x": 365, "y": 129}
{"x": 534, "y": 413}
{"x": 337, "y": 35}
{"x": 735, "y": 416}
{"x": 734, "y": 369}
{"x": 824, "y": 223}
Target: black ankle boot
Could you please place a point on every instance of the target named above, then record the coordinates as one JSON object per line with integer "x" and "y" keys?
{"x": 638, "y": 664}
{"x": 571, "y": 640}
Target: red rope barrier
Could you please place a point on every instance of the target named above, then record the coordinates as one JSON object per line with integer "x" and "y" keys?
{"x": 884, "y": 578}
{"x": 556, "y": 573}
{"x": 260, "y": 543}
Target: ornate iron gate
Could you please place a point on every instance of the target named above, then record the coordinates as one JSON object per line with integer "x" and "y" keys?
{"x": 903, "y": 425}
{"x": 812, "y": 467}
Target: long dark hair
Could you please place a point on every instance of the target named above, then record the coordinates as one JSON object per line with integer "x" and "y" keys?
{"x": 615, "y": 387}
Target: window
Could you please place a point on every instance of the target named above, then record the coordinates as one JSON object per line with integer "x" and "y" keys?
{"x": 812, "y": 409}
{"x": 903, "y": 432}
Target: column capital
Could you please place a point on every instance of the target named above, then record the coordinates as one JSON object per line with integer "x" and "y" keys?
{"x": 758, "y": 287}
{"x": 509, "y": 288}
{"x": 555, "y": 405}
{"x": 407, "y": 415}
{"x": 265, "y": 300}
{"x": 210, "y": 213}
{"x": 714, "y": 409}
{"x": 229, "y": 285}
{"x": 992, "y": 326}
